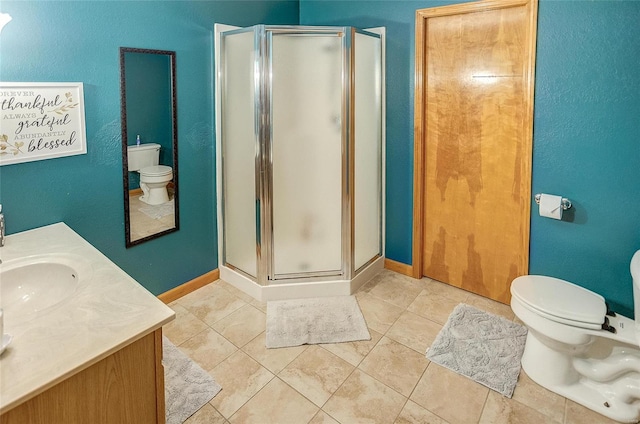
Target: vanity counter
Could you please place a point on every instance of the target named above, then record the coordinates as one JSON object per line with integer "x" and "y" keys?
{"x": 108, "y": 311}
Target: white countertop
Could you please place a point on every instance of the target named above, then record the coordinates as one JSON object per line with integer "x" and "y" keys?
{"x": 108, "y": 311}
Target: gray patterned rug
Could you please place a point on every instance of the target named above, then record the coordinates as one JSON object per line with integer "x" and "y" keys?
{"x": 316, "y": 320}
{"x": 484, "y": 347}
{"x": 187, "y": 386}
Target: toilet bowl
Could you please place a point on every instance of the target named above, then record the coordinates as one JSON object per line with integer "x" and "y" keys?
{"x": 144, "y": 159}
{"x": 577, "y": 348}
{"x": 153, "y": 182}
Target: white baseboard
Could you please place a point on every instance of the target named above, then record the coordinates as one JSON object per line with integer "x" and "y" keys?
{"x": 303, "y": 290}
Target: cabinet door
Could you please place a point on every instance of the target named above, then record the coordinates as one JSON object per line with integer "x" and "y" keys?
{"x": 125, "y": 387}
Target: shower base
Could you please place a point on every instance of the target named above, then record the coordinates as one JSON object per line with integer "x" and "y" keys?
{"x": 300, "y": 289}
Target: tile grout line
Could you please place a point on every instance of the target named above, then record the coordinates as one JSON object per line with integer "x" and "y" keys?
{"x": 350, "y": 374}
{"x": 408, "y": 398}
{"x": 383, "y": 335}
{"x": 484, "y": 405}
{"x": 252, "y": 396}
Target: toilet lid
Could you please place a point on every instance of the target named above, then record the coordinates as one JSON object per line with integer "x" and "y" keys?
{"x": 156, "y": 170}
{"x": 560, "y": 300}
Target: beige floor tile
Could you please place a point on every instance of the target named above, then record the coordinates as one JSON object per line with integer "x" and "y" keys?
{"x": 323, "y": 418}
{"x": 366, "y": 287}
{"x": 272, "y": 359}
{"x": 206, "y": 415}
{"x": 394, "y": 288}
{"x": 412, "y": 413}
{"x": 451, "y": 396}
{"x": 276, "y": 403}
{"x": 354, "y": 352}
{"x": 208, "y": 348}
{"x": 316, "y": 373}
{"x": 435, "y": 307}
{"x": 240, "y": 377}
{"x": 578, "y": 414}
{"x": 219, "y": 304}
{"x": 414, "y": 331}
{"x": 395, "y": 365}
{"x": 490, "y": 305}
{"x": 446, "y": 290}
{"x": 143, "y": 225}
{"x": 200, "y": 294}
{"x": 399, "y": 336}
{"x": 260, "y": 305}
{"x": 183, "y": 327}
{"x": 363, "y": 399}
{"x": 535, "y": 396}
{"x": 236, "y": 292}
{"x": 378, "y": 314}
{"x": 501, "y": 410}
{"x": 242, "y": 325}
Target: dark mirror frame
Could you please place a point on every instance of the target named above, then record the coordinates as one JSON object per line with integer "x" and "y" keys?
{"x": 125, "y": 161}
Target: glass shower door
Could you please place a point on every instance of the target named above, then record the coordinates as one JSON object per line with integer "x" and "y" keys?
{"x": 239, "y": 151}
{"x": 306, "y": 151}
{"x": 368, "y": 148}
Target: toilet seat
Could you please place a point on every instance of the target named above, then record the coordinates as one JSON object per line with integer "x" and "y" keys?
{"x": 560, "y": 301}
{"x": 155, "y": 171}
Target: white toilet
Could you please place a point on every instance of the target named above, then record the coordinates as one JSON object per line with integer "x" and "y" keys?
{"x": 144, "y": 158}
{"x": 578, "y": 349}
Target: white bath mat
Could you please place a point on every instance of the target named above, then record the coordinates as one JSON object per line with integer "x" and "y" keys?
{"x": 484, "y": 347}
{"x": 158, "y": 211}
{"x": 187, "y": 386}
{"x": 316, "y": 320}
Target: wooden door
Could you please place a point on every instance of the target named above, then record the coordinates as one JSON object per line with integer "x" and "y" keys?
{"x": 476, "y": 110}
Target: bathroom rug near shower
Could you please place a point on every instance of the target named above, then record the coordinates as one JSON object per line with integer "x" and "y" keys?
{"x": 158, "y": 211}
{"x": 315, "y": 320}
{"x": 187, "y": 386}
{"x": 482, "y": 346}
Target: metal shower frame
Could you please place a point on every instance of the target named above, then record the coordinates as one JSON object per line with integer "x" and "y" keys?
{"x": 263, "y": 36}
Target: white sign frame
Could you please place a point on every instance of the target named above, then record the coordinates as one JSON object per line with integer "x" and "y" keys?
{"x": 41, "y": 120}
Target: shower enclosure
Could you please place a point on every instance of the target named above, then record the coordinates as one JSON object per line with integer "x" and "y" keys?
{"x": 300, "y": 151}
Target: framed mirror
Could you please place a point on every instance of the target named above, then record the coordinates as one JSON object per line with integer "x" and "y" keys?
{"x": 149, "y": 143}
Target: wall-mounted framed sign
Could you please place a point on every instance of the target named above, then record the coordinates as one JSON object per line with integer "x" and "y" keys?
{"x": 41, "y": 120}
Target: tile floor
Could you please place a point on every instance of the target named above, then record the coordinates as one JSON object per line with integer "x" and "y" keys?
{"x": 141, "y": 224}
{"x": 385, "y": 380}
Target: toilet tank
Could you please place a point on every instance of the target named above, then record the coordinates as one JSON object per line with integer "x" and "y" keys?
{"x": 635, "y": 275}
{"x": 142, "y": 155}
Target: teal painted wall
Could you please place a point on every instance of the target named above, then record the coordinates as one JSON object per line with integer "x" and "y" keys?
{"x": 56, "y": 41}
{"x": 586, "y": 133}
{"x": 586, "y": 143}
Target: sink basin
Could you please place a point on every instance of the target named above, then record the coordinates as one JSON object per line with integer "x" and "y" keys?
{"x": 34, "y": 284}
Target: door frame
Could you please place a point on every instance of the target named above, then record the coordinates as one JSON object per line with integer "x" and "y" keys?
{"x": 420, "y": 107}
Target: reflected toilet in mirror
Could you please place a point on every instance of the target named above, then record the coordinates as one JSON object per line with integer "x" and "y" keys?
{"x": 149, "y": 143}
{"x": 144, "y": 159}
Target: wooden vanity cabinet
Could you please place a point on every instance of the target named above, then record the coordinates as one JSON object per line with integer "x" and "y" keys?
{"x": 125, "y": 387}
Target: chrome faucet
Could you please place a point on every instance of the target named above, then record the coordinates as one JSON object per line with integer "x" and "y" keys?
{"x": 1, "y": 227}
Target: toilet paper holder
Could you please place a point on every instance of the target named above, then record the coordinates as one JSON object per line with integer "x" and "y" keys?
{"x": 566, "y": 203}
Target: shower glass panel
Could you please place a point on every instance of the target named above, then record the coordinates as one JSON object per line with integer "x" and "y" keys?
{"x": 368, "y": 148}
{"x": 306, "y": 110}
{"x": 301, "y": 152}
{"x": 239, "y": 147}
